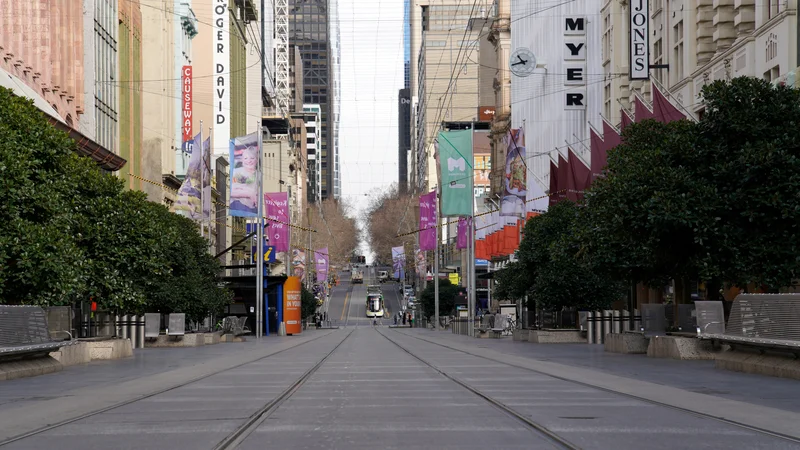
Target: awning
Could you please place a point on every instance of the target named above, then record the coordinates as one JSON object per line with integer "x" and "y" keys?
{"x": 104, "y": 158}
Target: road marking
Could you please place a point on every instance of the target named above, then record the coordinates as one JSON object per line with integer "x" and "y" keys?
{"x": 344, "y": 308}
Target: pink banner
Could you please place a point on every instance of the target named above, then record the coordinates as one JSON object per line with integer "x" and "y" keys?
{"x": 427, "y": 221}
{"x": 276, "y": 205}
{"x": 463, "y": 231}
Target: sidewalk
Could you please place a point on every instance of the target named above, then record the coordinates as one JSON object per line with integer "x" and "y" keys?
{"x": 99, "y": 374}
{"x": 693, "y": 376}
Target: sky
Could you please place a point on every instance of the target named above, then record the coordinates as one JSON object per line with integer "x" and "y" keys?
{"x": 372, "y": 74}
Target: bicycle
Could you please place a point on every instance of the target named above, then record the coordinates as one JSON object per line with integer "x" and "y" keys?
{"x": 509, "y": 327}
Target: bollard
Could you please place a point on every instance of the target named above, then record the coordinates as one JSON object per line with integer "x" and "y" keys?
{"x": 608, "y": 324}
{"x": 590, "y": 327}
{"x": 616, "y": 319}
{"x": 598, "y": 327}
{"x": 140, "y": 333}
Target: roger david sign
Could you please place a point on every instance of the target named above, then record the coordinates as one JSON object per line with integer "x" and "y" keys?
{"x": 186, "y": 102}
{"x": 575, "y": 63}
{"x": 221, "y": 85}
{"x": 640, "y": 40}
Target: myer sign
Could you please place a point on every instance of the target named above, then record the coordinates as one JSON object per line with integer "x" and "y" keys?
{"x": 575, "y": 62}
{"x": 640, "y": 40}
{"x": 221, "y": 84}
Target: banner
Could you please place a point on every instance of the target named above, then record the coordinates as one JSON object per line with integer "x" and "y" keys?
{"x": 515, "y": 181}
{"x": 427, "y": 220}
{"x": 188, "y": 202}
{"x": 455, "y": 161}
{"x": 321, "y": 259}
{"x": 299, "y": 263}
{"x": 246, "y": 172}
{"x": 463, "y": 231}
{"x": 276, "y": 207}
{"x": 186, "y": 101}
{"x": 422, "y": 263}
{"x": 207, "y": 179}
{"x": 398, "y": 262}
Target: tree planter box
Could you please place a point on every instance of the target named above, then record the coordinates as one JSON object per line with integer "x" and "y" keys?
{"x": 675, "y": 347}
{"x": 521, "y": 335}
{"x": 556, "y": 337}
{"x": 630, "y": 343}
{"x": 772, "y": 365}
{"x": 187, "y": 340}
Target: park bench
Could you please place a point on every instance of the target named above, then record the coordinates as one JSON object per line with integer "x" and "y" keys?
{"x": 757, "y": 321}
{"x": 492, "y": 324}
{"x": 176, "y": 325}
{"x": 235, "y": 325}
{"x": 24, "y": 333}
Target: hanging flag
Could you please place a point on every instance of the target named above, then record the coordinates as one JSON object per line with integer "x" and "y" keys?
{"x": 580, "y": 176}
{"x": 563, "y": 178}
{"x": 427, "y": 221}
{"x": 299, "y": 263}
{"x": 422, "y": 263}
{"x": 663, "y": 109}
{"x": 515, "y": 181}
{"x": 642, "y": 111}
{"x": 626, "y": 120}
{"x": 598, "y": 151}
{"x": 464, "y": 224}
{"x": 398, "y": 262}
{"x": 553, "y": 183}
{"x": 455, "y": 161}
{"x": 207, "y": 179}
{"x": 276, "y": 207}
{"x": 246, "y": 172}
{"x": 188, "y": 202}
{"x": 321, "y": 261}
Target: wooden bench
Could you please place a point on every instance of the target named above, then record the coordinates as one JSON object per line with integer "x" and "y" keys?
{"x": 761, "y": 322}
{"x": 24, "y": 333}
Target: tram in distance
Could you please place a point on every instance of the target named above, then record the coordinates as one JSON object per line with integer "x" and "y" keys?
{"x": 375, "y": 307}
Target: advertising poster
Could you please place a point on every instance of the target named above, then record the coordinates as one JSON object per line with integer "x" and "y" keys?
{"x": 299, "y": 263}
{"x": 515, "y": 181}
{"x": 292, "y": 306}
{"x": 245, "y": 172}
{"x": 188, "y": 202}
{"x": 276, "y": 207}
{"x": 421, "y": 261}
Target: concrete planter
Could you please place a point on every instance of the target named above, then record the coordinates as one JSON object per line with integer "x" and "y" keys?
{"x": 187, "y": 340}
{"x": 73, "y": 354}
{"x": 28, "y": 368}
{"x": 675, "y": 347}
{"x": 212, "y": 338}
{"x": 110, "y": 349}
{"x": 771, "y": 365}
{"x": 521, "y": 335}
{"x": 556, "y": 337}
{"x": 630, "y": 343}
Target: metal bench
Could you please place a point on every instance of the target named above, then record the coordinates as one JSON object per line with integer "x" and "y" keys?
{"x": 24, "y": 333}
{"x": 236, "y": 326}
{"x": 760, "y": 321}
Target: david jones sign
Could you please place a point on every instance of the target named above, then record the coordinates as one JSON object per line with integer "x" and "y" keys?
{"x": 640, "y": 40}
{"x": 575, "y": 63}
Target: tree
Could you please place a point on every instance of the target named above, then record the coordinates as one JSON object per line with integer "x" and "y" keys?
{"x": 447, "y": 298}
{"x": 335, "y": 229}
{"x": 752, "y": 157}
{"x": 511, "y": 282}
{"x": 308, "y": 303}
{"x": 391, "y": 213}
{"x": 651, "y": 217}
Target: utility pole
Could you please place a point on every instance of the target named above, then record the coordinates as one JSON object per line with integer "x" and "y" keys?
{"x": 260, "y": 245}
{"x": 436, "y": 262}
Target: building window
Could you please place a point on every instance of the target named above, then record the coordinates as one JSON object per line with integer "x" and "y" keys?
{"x": 658, "y": 58}
{"x": 773, "y": 8}
{"x": 678, "y": 50}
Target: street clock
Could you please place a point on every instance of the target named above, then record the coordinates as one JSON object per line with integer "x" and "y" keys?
{"x": 522, "y": 62}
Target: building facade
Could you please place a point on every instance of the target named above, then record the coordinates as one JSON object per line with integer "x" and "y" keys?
{"x": 100, "y": 38}
{"x": 404, "y": 137}
{"x": 129, "y": 92}
{"x": 313, "y": 121}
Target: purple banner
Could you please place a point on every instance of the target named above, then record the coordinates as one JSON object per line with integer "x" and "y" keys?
{"x": 427, "y": 221}
{"x": 463, "y": 231}
{"x": 321, "y": 261}
{"x": 276, "y": 205}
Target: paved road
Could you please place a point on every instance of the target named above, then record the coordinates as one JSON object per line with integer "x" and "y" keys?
{"x": 362, "y": 387}
{"x": 347, "y": 306}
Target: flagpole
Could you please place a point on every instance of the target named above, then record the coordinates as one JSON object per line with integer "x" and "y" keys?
{"x": 211, "y": 202}
{"x": 471, "y": 264}
{"x": 436, "y": 261}
{"x": 202, "y": 181}
{"x": 260, "y": 232}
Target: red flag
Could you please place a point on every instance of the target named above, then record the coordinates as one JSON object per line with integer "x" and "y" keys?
{"x": 564, "y": 178}
{"x": 642, "y": 111}
{"x": 553, "y": 183}
{"x": 579, "y": 175}
{"x": 610, "y": 135}
{"x": 663, "y": 109}
{"x": 511, "y": 240}
{"x": 626, "y": 120}
{"x": 598, "y": 150}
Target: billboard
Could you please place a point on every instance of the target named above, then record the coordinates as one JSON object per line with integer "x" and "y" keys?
{"x": 292, "y": 306}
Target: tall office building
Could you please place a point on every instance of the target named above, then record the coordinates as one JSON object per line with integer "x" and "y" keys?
{"x": 404, "y": 107}
{"x": 310, "y": 31}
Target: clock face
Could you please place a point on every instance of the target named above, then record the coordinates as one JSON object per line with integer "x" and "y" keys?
{"x": 522, "y": 62}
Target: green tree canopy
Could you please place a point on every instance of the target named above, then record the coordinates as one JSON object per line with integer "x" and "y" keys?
{"x": 447, "y": 298}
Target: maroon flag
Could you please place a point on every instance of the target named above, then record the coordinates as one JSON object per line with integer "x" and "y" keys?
{"x": 626, "y": 120}
{"x": 642, "y": 111}
{"x": 564, "y": 178}
{"x": 663, "y": 109}
{"x": 463, "y": 231}
{"x": 610, "y": 135}
{"x": 580, "y": 177}
{"x": 553, "y": 183}
{"x": 598, "y": 149}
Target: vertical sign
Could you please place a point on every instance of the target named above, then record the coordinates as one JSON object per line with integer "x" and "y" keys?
{"x": 221, "y": 83}
{"x": 292, "y": 305}
{"x": 640, "y": 40}
{"x": 276, "y": 204}
{"x": 575, "y": 63}
{"x": 455, "y": 161}
{"x": 427, "y": 221}
{"x": 186, "y": 100}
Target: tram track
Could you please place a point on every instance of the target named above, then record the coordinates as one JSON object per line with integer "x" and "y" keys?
{"x": 121, "y": 404}
{"x": 235, "y": 438}
{"x": 533, "y": 425}
{"x": 754, "y": 429}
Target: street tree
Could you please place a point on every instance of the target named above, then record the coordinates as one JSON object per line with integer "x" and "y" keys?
{"x": 390, "y": 213}
{"x": 336, "y": 229}
{"x": 447, "y": 298}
